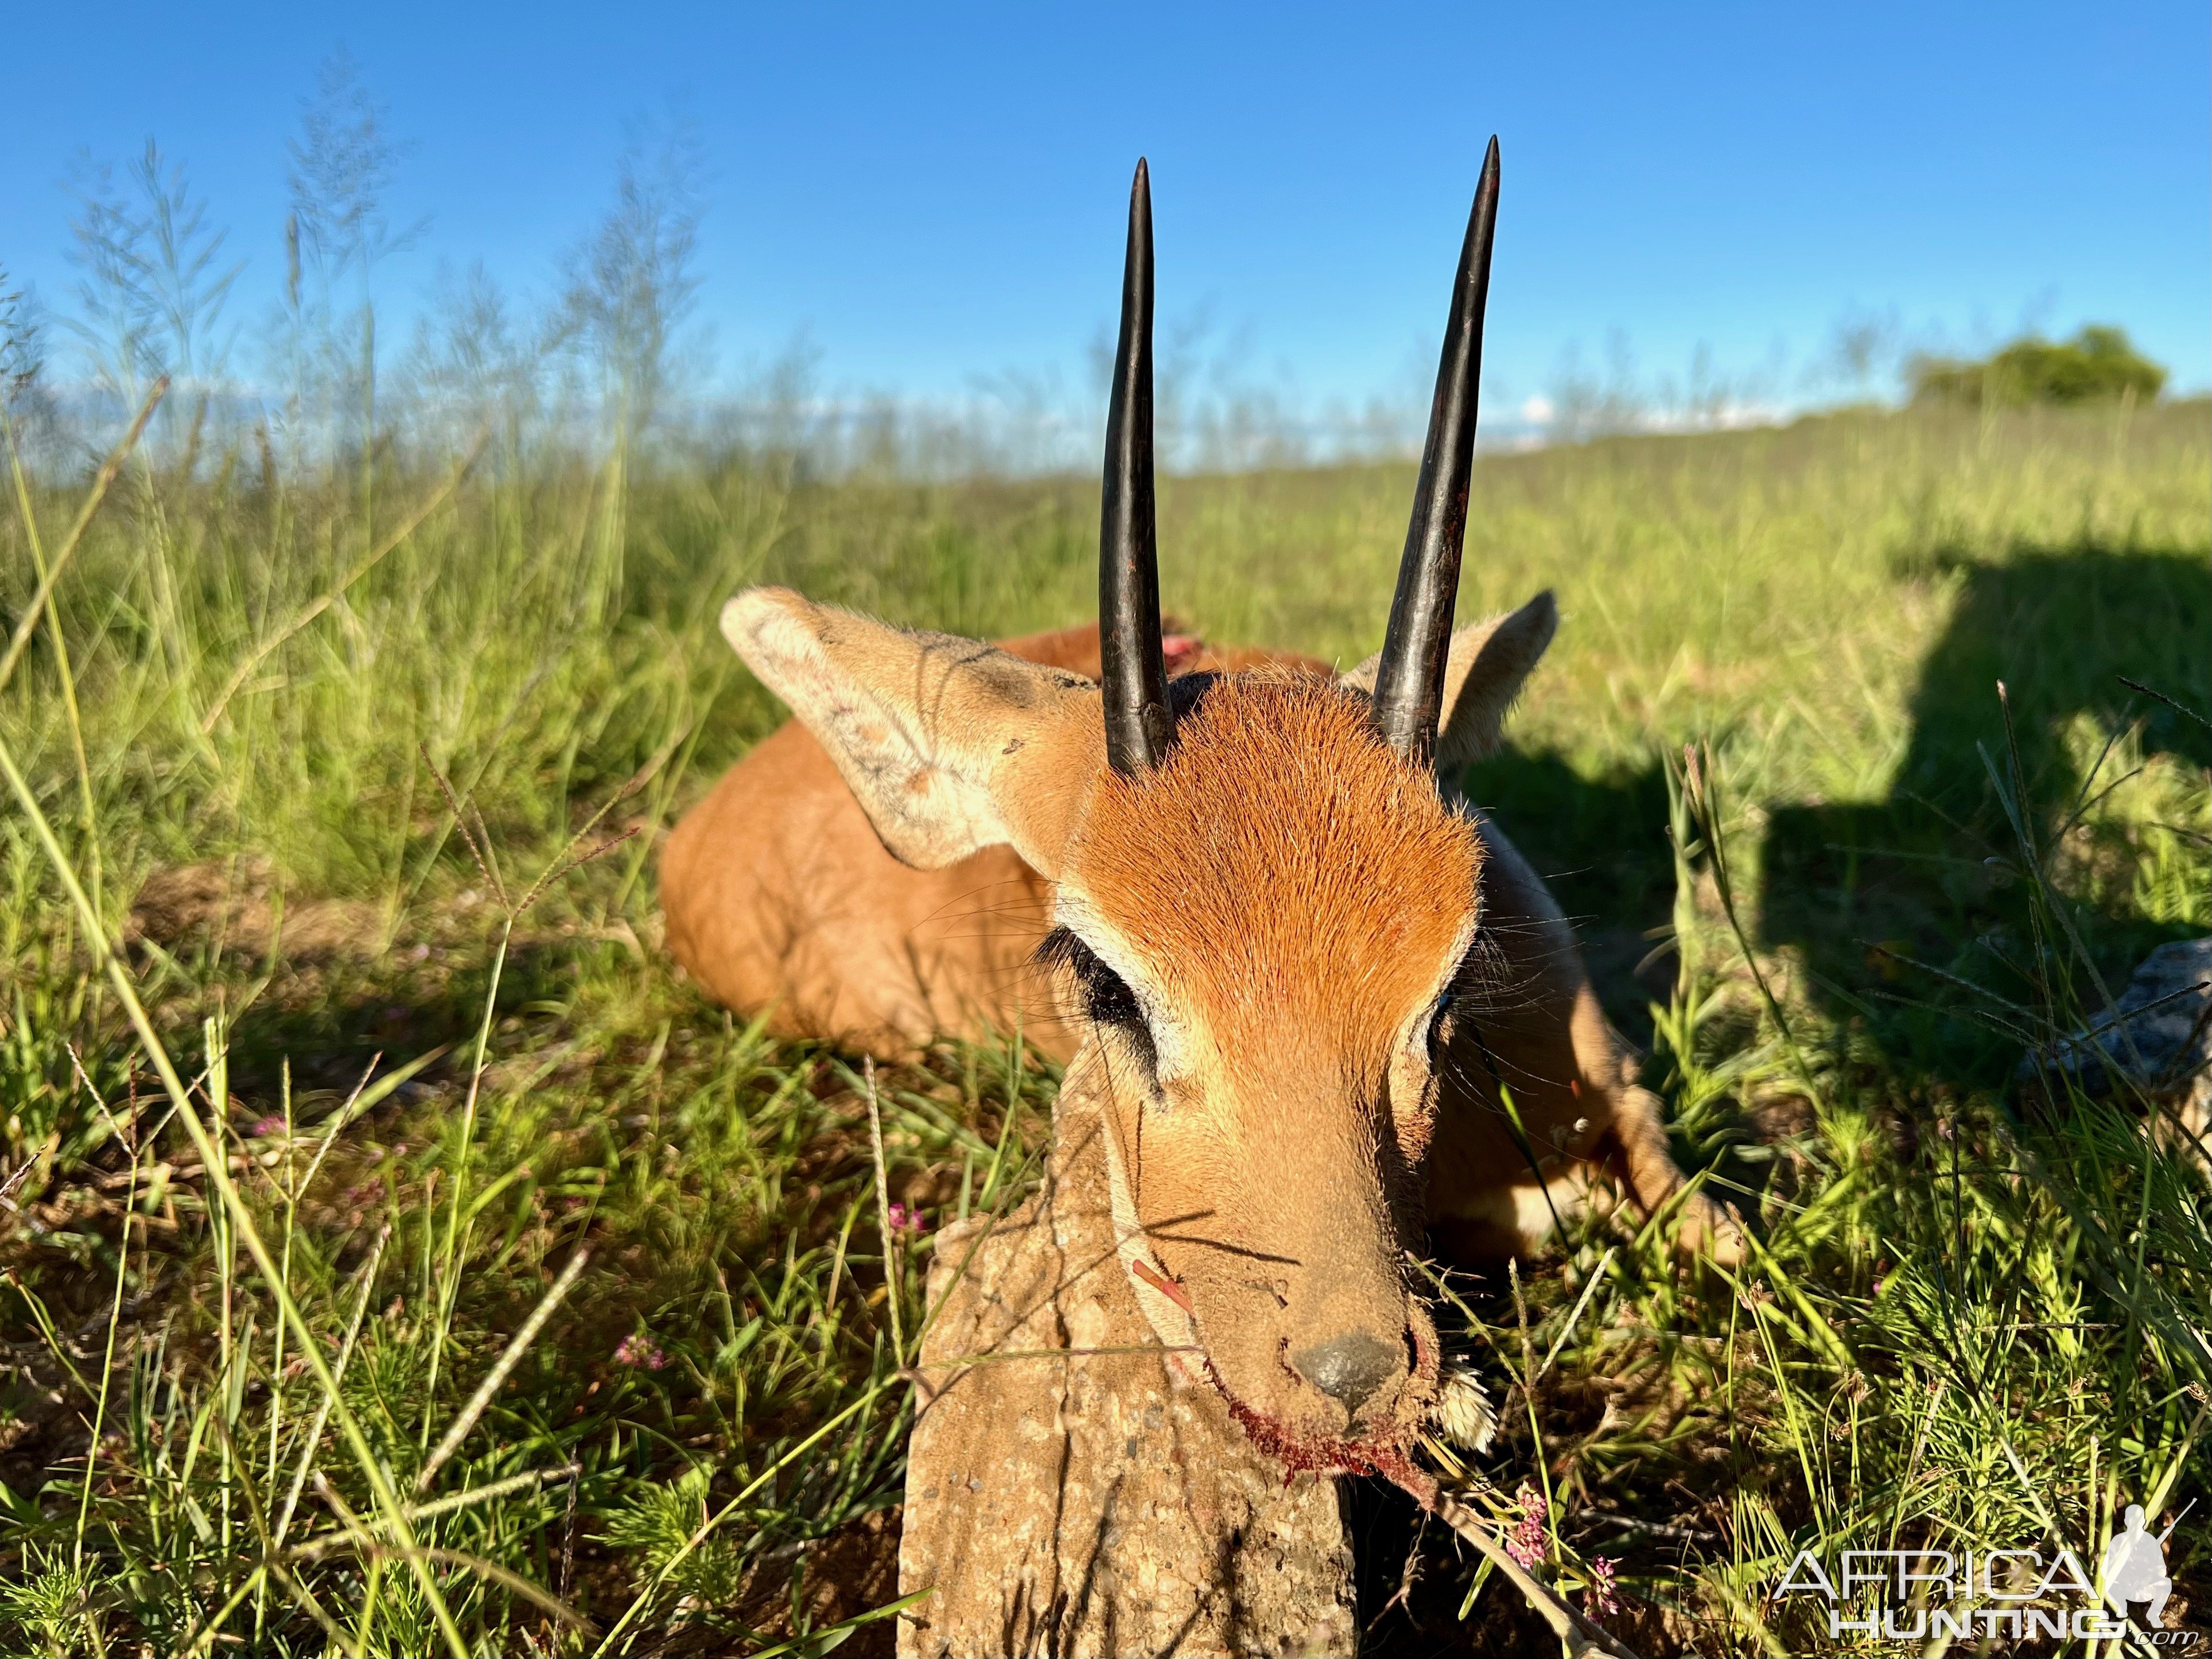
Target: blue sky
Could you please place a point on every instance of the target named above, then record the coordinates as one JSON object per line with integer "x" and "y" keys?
{"x": 928, "y": 195}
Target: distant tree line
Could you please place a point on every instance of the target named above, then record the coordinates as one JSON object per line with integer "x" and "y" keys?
{"x": 2099, "y": 364}
{"x": 608, "y": 362}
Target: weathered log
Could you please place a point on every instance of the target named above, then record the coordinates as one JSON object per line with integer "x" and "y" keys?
{"x": 1073, "y": 1486}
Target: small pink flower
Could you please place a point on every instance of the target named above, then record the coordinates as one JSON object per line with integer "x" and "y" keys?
{"x": 640, "y": 1350}
{"x": 1530, "y": 1537}
{"x": 1599, "y": 1598}
{"x": 262, "y": 1126}
{"x": 904, "y": 1220}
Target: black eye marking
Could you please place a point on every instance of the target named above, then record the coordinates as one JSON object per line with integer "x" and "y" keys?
{"x": 1443, "y": 1026}
{"x": 1107, "y": 998}
{"x": 1445, "y": 1014}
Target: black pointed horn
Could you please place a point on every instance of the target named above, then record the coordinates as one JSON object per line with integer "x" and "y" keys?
{"x": 1409, "y": 681}
{"x": 1139, "y": 723}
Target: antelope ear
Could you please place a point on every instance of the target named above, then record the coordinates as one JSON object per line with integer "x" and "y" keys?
{"x": 1490, "y": 662}
{"x": 949, "y": 745}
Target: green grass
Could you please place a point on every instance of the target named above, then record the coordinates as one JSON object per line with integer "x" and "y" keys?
{"x": 1975, "y": 1318}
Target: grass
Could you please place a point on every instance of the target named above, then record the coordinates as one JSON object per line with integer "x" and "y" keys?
{"x": 398, "y": 1257}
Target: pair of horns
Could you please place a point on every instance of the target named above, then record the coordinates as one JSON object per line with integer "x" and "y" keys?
{"x": 1409, "y": 679}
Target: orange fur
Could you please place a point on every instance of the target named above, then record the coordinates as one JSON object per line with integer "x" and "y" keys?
{"x": 1383, "y": 876}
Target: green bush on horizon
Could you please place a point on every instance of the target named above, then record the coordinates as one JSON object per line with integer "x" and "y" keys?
{"x": 2098, "y": 364}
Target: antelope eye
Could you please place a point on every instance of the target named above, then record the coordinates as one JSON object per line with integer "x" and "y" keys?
{"x": 1439, "y": 1026}
{"x": 1107, "y": 998}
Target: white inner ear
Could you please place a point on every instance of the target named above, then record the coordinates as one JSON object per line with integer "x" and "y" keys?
{"x": 896, "y": 749}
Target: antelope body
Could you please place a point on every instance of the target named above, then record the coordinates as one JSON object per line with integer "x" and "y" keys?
{"x": 1330, "y": 1004}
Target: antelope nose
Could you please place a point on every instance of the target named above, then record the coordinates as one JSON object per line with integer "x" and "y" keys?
{"x": 1350, "y": 1368}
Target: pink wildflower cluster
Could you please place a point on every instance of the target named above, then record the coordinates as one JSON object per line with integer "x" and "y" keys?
{"x": 1600, "y": 1600}
{"x": 641, "y": 1351}
{"x": 263, "y": 1127}
{"x": 904, "y": 1220}
{"x": 1530, "y": 1537}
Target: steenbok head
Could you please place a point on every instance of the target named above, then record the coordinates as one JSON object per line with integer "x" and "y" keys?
{"x": 1264, "y": 907}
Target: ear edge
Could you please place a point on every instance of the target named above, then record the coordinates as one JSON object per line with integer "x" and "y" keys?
{"x": 1500, "y": 655}
{"x": 1490, "y": 663}
{"x": 919, "y": 725}
{"x": 751, "y": 620}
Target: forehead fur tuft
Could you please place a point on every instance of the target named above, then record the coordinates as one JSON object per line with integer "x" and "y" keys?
{"x": 1284, "y": 871}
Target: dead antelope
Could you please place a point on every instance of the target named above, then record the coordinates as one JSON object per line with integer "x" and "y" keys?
{"x": 1331, "y": 1005}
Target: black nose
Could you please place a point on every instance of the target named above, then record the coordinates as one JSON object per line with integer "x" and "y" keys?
{"x": 1350, "y": 1367}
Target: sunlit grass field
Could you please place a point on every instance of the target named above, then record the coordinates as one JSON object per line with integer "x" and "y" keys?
{"x": 400, "y": 1257}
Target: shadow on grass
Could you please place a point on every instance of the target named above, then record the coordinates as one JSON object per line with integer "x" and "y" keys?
{"x": 327, "y": 1021}
{"x": 1601, "y": 846}
{"x": 1912, "y": 872}
{"x": 1930, "y": 871}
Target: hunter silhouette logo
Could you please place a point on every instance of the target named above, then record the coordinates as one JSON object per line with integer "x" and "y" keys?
{"x": 2134, "y": 1567}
